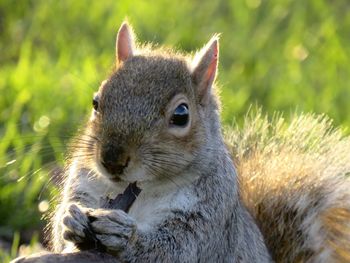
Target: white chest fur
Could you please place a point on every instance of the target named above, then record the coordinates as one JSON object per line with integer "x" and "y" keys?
{"x": 155, "y": 202}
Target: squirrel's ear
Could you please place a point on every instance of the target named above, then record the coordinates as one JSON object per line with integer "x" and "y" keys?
{"x": 124, "y": 44}
{"x": 204, "y": 68}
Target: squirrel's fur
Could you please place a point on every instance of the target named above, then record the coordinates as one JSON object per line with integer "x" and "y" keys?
{"x": 294, "y": 181}
{"x": 193, "y": 207}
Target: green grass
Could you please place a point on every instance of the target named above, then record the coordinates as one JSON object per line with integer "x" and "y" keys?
{"x": 283, "y": 55}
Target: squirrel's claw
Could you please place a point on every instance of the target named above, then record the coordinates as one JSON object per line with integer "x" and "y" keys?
{"x": 75, "y": 222}
{"x": 113, "y": 228}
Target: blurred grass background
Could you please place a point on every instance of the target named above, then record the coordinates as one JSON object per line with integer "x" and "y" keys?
{"x": 284, "y": 55}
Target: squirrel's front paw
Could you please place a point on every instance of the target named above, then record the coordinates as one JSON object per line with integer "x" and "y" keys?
{"x": 75, "y": 224}
{"x": 113, "y": 228}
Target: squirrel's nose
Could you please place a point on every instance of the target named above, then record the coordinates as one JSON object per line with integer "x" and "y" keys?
{"x": 114, "y": 159}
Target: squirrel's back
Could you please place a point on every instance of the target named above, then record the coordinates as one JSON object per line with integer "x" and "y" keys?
{"x": 294, "y": 179}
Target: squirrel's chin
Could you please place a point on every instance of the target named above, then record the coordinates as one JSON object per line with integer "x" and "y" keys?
{"x": 136, "y": 174}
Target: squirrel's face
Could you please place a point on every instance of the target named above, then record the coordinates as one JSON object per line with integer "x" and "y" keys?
{"x": 148, "y": 119}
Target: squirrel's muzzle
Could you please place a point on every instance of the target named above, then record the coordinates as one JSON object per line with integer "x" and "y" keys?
{"x": 114, "y": 159}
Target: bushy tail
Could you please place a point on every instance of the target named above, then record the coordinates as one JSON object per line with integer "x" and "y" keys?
{"x": 295, "y": 180}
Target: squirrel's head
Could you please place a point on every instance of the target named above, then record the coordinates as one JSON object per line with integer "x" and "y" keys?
{"x": 153, "y": 116}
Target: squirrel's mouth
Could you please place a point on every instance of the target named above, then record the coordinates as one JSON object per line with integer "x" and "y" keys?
{"x": 114, "y": 176}
{"x": 130, "y": 172}
{"x": 115, "y": 179}
{"x": 115, "y": 168}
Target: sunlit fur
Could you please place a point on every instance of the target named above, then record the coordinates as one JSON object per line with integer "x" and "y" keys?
{"x": 294, "y": 178}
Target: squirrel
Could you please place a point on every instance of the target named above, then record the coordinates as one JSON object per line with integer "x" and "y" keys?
{"x": 265, "y": 193}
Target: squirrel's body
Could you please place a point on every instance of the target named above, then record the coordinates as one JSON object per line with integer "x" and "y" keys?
{"x": 156, "y": 122}
{"x": 170, "y": 206}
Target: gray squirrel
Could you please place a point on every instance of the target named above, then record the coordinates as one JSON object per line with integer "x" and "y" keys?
{"x": 265, "y": 193}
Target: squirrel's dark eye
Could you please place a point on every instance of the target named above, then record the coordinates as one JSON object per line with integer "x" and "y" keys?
{"x": 95, "y": 103}
{"x": 180, "y": 116}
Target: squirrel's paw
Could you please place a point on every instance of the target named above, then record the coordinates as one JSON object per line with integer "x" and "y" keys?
{"x": 75, "y": 222}
{"x": 114, "y": 228}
